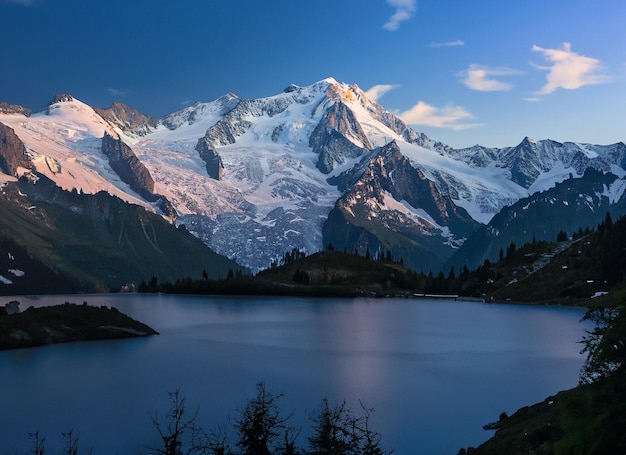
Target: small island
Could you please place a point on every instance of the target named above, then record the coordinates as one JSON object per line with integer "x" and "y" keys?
{"x": 65, "y": 323}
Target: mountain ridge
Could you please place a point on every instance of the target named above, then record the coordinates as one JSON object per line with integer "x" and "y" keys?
{"x": 254, "y": 178}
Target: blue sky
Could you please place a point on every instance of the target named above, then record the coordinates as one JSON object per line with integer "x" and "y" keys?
{"x": 461, "y": 71}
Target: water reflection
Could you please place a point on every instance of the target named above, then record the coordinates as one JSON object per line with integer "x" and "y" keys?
{"x": 435, "y": 371}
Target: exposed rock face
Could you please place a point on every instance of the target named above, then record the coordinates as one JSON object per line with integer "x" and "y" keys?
{"x": 128, "y": 119}
{"x": 232, "y": 125}
{"x": 424, "y": 228}
{"x": 132, "y": 171}
{"x": 13, "y": 153}
{"x": 61, "y": 98}
{"x": 214, "y": 165}
{"x": 398, "y": 126}
{"x": 338, "y": 137}
{"x": 6, "y": 108}
{"x": 530, "y": 159}
{"x": 333, "y": 149}
{"x": 200, "y": 111}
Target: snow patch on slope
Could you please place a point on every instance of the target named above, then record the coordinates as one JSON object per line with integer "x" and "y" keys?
{"x": 559, "y": 173}
{"x": 421, "y": 217}
{"x": 65, "y": 145}
{"x": 614, "y": 191}
{"x": 482, "y": 191}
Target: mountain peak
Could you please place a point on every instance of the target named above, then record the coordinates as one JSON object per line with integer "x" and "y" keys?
{"x": 529, "y": 140}
{"x": 291, "y": 88}
{"x": 128, "y": 119}
{"x": 61, "y": 98}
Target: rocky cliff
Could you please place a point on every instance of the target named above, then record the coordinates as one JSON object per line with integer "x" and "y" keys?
{"x": 127, "y": 119}
{"x": 393, "y": 206}
{"x": 13, "y": 154}
{"x": 124, "y": 162}
{"x": 6, "y": 108}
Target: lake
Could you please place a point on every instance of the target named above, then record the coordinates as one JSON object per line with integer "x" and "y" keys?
{"x": 434, "y": 370}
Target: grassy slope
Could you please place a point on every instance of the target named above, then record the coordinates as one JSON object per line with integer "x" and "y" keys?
{"x": 586, "y": 420}
{"x": 568, "y": 273}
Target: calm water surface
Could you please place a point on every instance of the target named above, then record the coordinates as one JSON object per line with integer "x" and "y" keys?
{"x": 435, "y": 371}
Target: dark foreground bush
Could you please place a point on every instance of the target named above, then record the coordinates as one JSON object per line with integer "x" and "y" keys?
{"x": 261, "y": 428}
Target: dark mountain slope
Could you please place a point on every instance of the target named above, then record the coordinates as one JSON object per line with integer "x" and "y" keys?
{"x": 568, "y": 206}
{"x": 423, "y": 229}
{"x": 588, "y": 270}
{"x": 98, "y": 241}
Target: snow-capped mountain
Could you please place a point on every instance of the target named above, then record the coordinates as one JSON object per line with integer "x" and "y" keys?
{"x": 254, "y": 178}
{"x": 393, "y": 203}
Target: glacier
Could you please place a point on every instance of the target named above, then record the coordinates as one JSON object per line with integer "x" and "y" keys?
{"x": 273, "y": 193}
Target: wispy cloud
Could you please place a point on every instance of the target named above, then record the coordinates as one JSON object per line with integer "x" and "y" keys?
{"x": 452, "y": 117}
{"x": 378, "y": 91}
{"x": 454, "y": 43}
{"x": 117, "y": 91}
{"x": 481, "y": 78}
{"x": 405, "y": 9}
{"x": 533, "y": 99}
{"x": 569, "y": 70}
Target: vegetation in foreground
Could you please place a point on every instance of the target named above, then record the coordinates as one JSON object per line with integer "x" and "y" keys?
{"x": 586, "y": 420}
{"x": 261, "y": 428}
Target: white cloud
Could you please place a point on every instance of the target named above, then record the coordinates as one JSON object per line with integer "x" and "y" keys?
{"x": 405, "y": 9}
{"x": 453, "y": 117}
{"x": 533, "y": 99}
{"x": 448, "y": 44}
{"x": 117, "y": 91}
{"x": 479, "y": 77}
{"x": 377, "y": 91}
{"x": 569, "y": 70}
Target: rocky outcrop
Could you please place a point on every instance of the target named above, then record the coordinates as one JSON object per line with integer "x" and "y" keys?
{"x": 13, "y": 154}
{"x": 338, "y": 137}
{"x": 393, "y": 206}
{"x": 200, "y": 111}
{"x": 57, "y": 99}
{"x": 6, "y": 108}
{"x": 61, "y": 98}
{"x": 214, "y": 165}
{"x": 333, "y": 149}
{"x": 132, "y": 171}
{"x": 127, "y": 119}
